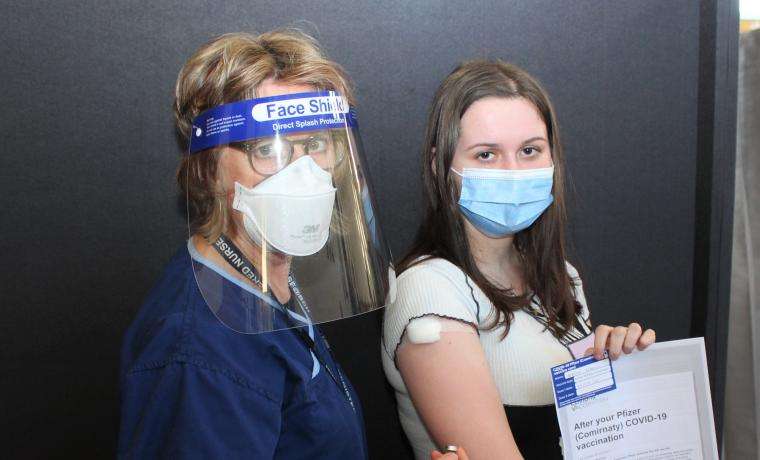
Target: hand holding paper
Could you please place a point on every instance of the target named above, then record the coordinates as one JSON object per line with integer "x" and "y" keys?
{"x": 620, "y": 339}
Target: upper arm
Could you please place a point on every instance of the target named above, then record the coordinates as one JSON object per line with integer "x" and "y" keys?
{"x": 423, "y": 290}
{"x": 184, "y": 410}
{"x": 453, "y": 391}
{"x": 449, "y": 380}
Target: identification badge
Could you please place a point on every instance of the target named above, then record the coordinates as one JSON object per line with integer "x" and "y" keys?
{"x": 579, "y": 347}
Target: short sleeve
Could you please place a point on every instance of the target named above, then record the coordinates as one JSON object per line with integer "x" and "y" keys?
{"x": 183, "y": 410}
{"x": 433, "y": 287}
{"x": 580, "y": 296}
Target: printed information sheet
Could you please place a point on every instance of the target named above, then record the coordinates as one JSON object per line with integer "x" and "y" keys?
{"x": 648, "y": 405}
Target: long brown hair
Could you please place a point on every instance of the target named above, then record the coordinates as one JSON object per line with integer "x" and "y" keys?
{"x": 541, "y": 247}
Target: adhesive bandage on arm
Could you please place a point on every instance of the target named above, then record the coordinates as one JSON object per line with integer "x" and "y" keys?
{"x": 428, "y": 329}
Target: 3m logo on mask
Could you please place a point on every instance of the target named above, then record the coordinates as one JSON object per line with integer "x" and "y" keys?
{"x": 310, "y": 229}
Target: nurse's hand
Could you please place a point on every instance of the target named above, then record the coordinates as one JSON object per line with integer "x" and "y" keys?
{"x": 620, "y": 339}
{"x": 460, "y": 455}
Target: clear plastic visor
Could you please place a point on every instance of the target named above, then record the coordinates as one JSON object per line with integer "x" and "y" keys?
{"x": 290, "y": 237}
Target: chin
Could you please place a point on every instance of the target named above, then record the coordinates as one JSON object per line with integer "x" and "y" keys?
{"x": 499, "y": 237}
{"x": 276, "y": 256}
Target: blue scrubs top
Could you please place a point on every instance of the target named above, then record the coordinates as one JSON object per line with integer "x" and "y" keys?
{"x": 193, "y": 388}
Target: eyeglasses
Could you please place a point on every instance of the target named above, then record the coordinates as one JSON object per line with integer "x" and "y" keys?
{"x": 269, "y": 156}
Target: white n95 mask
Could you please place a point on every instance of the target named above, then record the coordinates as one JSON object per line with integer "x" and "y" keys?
{"x": 291, "y": 210}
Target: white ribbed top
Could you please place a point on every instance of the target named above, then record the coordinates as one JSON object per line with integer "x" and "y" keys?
{"x": 520, "y": 364}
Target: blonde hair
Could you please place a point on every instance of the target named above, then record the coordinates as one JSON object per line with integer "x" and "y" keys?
{"x": 230, "y": 68}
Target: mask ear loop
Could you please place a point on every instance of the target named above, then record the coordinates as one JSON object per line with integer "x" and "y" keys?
{"x": 455, "y": 187}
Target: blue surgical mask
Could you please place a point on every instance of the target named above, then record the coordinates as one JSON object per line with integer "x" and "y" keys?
{"x": 501, "y": 202}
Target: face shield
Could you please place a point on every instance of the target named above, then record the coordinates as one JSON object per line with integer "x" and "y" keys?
{"x": 299, "y": 243}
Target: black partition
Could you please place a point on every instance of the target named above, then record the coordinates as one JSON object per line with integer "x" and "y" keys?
{"x": 645, "y": 92}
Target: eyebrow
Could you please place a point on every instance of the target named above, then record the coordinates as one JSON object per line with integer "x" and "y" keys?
{"x": 492, "y": 146}
{"x": 307, "y": 135}
{"x": 534, "y": 139}
{"x": 482, "y": 144}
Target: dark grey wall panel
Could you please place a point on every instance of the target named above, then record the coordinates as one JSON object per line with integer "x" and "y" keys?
{"x": 90, "y": 210}
{"x": 715, "y": 188}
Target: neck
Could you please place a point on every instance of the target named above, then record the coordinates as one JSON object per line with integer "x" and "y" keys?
{"x": 273, "y": 267}
{"x": 496, "y": 258}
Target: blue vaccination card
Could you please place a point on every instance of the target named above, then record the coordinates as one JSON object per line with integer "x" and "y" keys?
{"x": 581, "y": 379}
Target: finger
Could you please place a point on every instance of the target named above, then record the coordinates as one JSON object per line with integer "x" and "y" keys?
{"x": 601, "y": 333}
{"x": 588, "y": 352}
{"x": 615, "y": 342}
{"x": 646, "y": 339}
{"x": 462, "y": 454}
{"x": 435, "y": 455}
{"x": 631, "y": 337}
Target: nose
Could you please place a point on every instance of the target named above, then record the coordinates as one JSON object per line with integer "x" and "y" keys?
{"x": 509, "y": 161}
{"x": 299, "y": 150}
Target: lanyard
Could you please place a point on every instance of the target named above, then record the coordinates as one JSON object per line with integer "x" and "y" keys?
{"x": 579, "y": 331}
{"x": 581, "y": 328}
{"x": 234, "y": 256}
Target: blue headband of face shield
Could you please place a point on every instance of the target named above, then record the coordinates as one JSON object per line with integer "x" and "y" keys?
{"x": 270, "y": 116}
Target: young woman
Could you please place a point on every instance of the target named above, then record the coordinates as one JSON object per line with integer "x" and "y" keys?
{"x": 486, "y": 301}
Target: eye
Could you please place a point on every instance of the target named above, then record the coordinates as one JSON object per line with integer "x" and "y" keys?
{"x": 264, "y": 150}
{"x": 316, "y": 144}
{"x": 485, "y": 156}
{"x": 271, "y": 149}
{"x": 530, "y": 151}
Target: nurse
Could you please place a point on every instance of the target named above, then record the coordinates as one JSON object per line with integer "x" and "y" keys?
{"x": 486, "y": 293}
{"x": 225, "y": 358}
